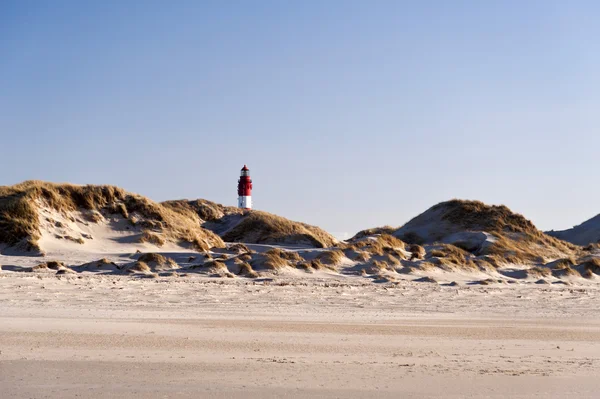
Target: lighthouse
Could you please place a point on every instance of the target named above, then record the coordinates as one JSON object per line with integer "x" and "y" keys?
{"x": 245, "y": 189}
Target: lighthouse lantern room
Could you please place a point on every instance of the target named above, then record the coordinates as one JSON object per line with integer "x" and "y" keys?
{"x": 245, "y": 189}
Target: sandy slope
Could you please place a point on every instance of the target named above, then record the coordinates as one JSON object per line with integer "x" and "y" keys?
{"x": 111, "y": 336}
{"x": 587, "y": 232}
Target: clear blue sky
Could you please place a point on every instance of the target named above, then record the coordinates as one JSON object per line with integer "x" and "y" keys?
{"x": 350, "y": 114}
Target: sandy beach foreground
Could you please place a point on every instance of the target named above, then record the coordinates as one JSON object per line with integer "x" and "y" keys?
{"x": 98, "y": 336}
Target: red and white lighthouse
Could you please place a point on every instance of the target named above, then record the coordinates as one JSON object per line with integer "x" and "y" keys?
{"x": 245, "y": 189}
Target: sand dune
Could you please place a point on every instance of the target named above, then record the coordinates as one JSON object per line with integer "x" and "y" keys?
{"x": 586, "y": 233}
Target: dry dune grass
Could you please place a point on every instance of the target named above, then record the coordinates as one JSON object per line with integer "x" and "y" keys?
{"x": 304, "y": 266}
{"x": 391, "y": 260}
{"x": 151, "y": 238}
{"x": 447, "y": 255}
{"x": 538, "y": 272}
{"x": 484, "y": 264}
{"x": 565, "y": 271}
{"x": 562, "y": 263}
{"x": 377, "y": 266}
{"x": 389, "y": 241}
{"x": 46, "y": 266}
{"x": 264, "y": 228}
{"x": 331, "y": 258}
{"x": 253, "y": 226}
{"x": 309, "y": 266}
{"x": 19, "y": 215}
{"x": 592, "y": 247}
{"x": 376, "y": 245}
{"x": 214, "y": 266}
{"x": 362, "y": 256}
{"x": 374, "y": 231}
{"x": 477, "y": 216}
{"x": 272, "y": 259}
{"x": 527, "y": 249}
{"x": 157, "y": 261}
{"x": 517, "y": 240}
{"x": 138, "y": 267}
{"x": 417, "y": 251}
{"x": 247, "y": 271}
{"x": 54, "y": 265}
{"x": 206, "y": 210}
{"x": 37, "y": 268}
{"x": 283, "y": 254}
{"x": 239, "y": 249}
{"x": 245, "y": 257}
{"x": 426, "y": 266}
{"x": 374, "y": 267}
{"x": 589, "y": 268}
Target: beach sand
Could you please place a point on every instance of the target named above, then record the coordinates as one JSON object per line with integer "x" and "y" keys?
{"x": 94, "y": 336}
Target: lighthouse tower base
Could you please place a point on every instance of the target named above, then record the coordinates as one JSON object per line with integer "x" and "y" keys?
{"x": 245, "y": 202}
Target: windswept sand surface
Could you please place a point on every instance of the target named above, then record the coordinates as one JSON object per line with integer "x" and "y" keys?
{"x": 112, "y": 336}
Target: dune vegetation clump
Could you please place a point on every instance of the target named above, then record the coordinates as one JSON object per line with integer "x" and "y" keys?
{"x": 304, "y": 266}
{"x": 362, "y": 256}
{"x": 332, "y": 257}
{"x": 538, "y": 271}
{"x": 377, "y": 245}
{"x": 484, "y": 264}
{"x": 589, "y": 268}
{"x": 416, "y": 251}
{"x": 158, "y": 261}
{"x": 240, "y": 249}
{"x": 376, "y": 267}
{"x": 245, "y": 257}
{"x": 391, "y": 260}
{"x": 269, "y": 260}
{"x": 54, "y": 265}
{"x": 138, "y": 267}
{"x": 247, "y": 271}
{"x": 565, "y": 271}
{"x": 448, "y": 254}
{"x": 292, "y": 256}
{"x": 151, "y": 238}
{"x": 214, "y": 266}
